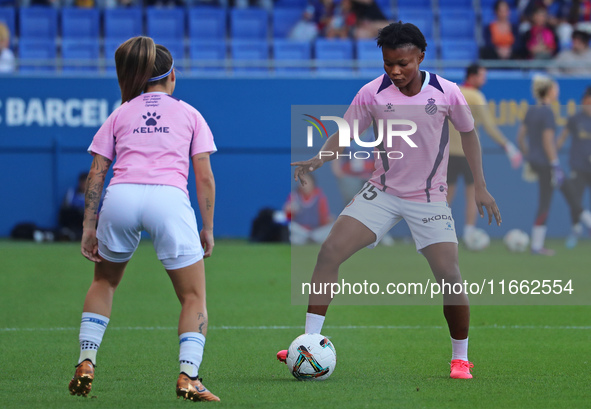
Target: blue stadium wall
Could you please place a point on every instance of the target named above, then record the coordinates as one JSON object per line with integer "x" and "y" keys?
{"x": 46, "y": 124}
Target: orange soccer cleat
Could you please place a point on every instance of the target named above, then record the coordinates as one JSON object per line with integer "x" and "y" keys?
{"x": 81, "y": 383}
{"x": 193, "y": 389}
{"x": 282, "y": 356}
{"x": 460, "y": 369}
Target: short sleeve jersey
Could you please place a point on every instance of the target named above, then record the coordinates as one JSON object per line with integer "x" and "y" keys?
{"x": 153, "y": 137}
{"x": 413, "y": 173}
{"x": 538, "y": 119}
{"x": 579, "y": 126}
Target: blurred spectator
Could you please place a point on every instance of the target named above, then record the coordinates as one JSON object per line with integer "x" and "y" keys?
{"x": 342, "y": 23}
{"x": 577, "y": 60}
{"x": 305, "y": 29}
{"x": 370, "y": 18}
{"x": 540, "y": 41}
{"x": 72, "y": 211}
{"x": 500, "y": 35}
{"x": 580, "y": 11}
{"x": 307, "y": 207}
{"x": 6, "y": 55}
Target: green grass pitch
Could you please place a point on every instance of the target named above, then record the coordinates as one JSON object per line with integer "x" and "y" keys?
{"x": 525, "y": 356}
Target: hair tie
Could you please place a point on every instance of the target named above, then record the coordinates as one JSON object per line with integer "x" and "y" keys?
{"x": 166, "y": 74}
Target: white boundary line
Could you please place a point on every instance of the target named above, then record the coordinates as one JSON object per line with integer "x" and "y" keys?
{"x": 329, "y": 327}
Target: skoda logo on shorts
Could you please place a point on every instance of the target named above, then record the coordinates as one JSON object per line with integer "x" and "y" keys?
{"x": 436, "y": 218}
{"x": 431, "y": 108}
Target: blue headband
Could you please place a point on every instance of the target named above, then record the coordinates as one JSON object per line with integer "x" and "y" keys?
{"x": 166, "y": 74}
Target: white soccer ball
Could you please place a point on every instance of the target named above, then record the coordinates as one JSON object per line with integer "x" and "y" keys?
{"x": 311, "y": 357}
{"x": 516, "y": 241}
{"x": 477, "y": 241}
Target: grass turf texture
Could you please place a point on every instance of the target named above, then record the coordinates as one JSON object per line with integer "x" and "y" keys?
{"x": 43, "y": 287}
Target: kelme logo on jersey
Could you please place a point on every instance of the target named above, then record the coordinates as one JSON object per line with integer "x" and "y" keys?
{"x": 151, "y": 121}
{"x": 431, "y": 108}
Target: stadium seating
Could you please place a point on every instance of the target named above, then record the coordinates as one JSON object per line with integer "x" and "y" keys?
{"x": 370, "y": 58}
{"x": 7, "y": 16}
{"x": 423, "y": 19}
{"x": 249, "y": 24}
{"x": 416, "y": 4}
{"x": 38, "y": 23}
{"x": 332, "y": 53}
{"x": 165, "y": 24}
{"x": 457, "y": 4}
{"x": 386, "y": 8}
{"x": 299, "y": 4}
{"x": 249, "y": 50}
{"x": 80, "y": 23}
{"x": 457, "y": 24}
{"x": 207, "y": 23}
{"x": 36, "y": 49}
{"x": 111, "y": 46}
{"x": 207, "y": 51}
{"x": 288, "y": 50}
{"x": 122, "y": 24}
{"x": 76, "y": 52}
{"x": 459, "y": 50}
{"x": 176, "y": 48}
{"x": 284, "y": 19}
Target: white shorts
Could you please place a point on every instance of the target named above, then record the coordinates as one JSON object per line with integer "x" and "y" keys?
{"x": 429, "y": 223}
{"x": 164, "y": 212}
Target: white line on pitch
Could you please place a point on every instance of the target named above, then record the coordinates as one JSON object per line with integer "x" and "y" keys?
{"x": 331, "y": 327}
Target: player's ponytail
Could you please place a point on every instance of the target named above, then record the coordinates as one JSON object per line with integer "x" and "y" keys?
{"x": 134, "y": 60}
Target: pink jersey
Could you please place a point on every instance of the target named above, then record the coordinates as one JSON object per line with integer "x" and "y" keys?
{"x": 420, "y": 175}
{"x": 153, "y": 137}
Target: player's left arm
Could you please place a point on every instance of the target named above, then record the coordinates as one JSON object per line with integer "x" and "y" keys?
{"x": 562, "y": 138}
{"x": 473, "y": 152}
{"x": 205, "y": 183}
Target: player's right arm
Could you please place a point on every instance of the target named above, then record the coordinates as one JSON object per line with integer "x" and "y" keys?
{"x": 328, "y": 152}
{"x": 483, "y": 115}
{"x": 92, "y": 197}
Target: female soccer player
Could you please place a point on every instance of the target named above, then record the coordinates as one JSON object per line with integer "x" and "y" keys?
{"x": 154, "y": 136}
{"x": 536, "y": 140}
{"x": 579, "y": 126}
{"x": 412, "y": 188}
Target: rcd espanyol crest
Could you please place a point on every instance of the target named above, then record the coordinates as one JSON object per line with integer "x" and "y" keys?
{"x": 431, "y": 108}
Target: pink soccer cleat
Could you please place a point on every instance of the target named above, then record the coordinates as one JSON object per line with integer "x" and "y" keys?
{"x": 282, "y": 356}
{"x": 460, "y": 369}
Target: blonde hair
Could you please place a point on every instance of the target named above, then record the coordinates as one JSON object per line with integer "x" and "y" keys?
{"x": 134, "y": 60}
{"x": 4, "y": 33}
{"x": 541, "y": 85}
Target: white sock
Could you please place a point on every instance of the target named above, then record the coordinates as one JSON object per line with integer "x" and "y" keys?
{"x": 468, "y": 230}
{"x": 92, "y": 329}
{"x": 585, "y": 217}
{"x": 538, "y": 235}
{"x": 314, "y": 323}
{"x": 191, "y": 352}
{"x": 459, "y": 349}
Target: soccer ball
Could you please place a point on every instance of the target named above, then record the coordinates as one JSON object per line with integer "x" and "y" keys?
{"x": 516, "y": 241}
{"x": 311, "y": 357}
{"x": 477, "y": 241}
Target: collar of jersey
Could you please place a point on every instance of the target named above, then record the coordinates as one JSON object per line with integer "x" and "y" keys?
{"x": 425, "y": 83}
{"x": 156, "y": 92}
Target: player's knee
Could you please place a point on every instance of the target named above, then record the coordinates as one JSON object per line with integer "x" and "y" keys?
{"x": 330, "y": 254}
{"x": 190, "y": 296}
